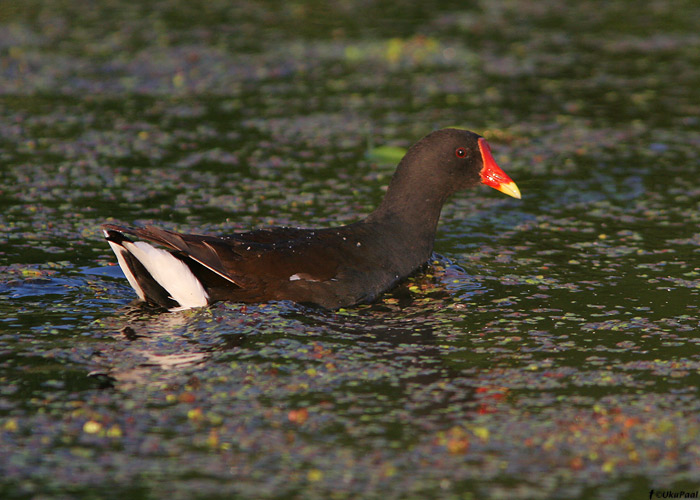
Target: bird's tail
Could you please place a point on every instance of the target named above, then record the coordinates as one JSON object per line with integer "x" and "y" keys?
{"x": 157, "y": 276}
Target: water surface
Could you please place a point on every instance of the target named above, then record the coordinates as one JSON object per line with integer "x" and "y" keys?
{"x": 550, "y": 349}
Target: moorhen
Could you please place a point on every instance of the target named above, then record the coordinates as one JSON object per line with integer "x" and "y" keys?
{"x": 332, "y": 267}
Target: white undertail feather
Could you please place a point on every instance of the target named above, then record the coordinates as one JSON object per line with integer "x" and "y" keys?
{"x": 118, "y": 251}
{"x": 170, "y": 273}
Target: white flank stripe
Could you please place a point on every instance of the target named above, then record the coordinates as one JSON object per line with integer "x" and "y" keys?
{"x": 170, "y": 273}
{"x": 302, "y": 276}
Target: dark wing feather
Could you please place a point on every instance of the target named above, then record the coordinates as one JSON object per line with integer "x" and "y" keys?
{"x": 196, "y": 247}
{"x": 256, "y": 259}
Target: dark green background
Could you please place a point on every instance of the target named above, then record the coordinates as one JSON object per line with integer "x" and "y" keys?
{"x": 552, "y": 351}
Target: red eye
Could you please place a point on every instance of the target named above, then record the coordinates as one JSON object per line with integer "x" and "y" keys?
{"x": 461, "y": 152}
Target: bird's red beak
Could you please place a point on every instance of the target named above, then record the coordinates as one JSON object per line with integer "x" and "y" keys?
{"x": 492, "y": 175}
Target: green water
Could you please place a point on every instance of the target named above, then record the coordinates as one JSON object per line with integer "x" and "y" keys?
{"x": 549, "y": 351}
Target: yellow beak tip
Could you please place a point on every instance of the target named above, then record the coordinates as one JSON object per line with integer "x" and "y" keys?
{"x": 511, "y": 189}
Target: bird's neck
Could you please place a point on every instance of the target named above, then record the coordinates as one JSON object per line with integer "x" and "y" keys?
{"x": 410, "y": 212}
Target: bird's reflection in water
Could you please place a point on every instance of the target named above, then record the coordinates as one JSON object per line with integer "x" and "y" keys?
{"x": 404, "y": 337}
{"x": 149, "y": 344}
